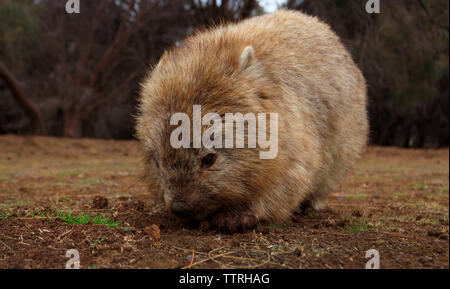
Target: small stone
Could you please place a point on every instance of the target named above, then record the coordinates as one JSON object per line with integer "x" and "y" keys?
{"x": 153, "y": 232}
{"x": 204, "y": 226}
{"x": 139, "y": 206}
{"x": 330, "y": 222}
{"x": 298, "y": 251}
{"x": 438, "y": 234}
{"x": 357, "y": 214}
{"x": 100, "y": 202}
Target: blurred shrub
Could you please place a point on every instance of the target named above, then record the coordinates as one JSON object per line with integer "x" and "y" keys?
{"x": 60, "y": 59}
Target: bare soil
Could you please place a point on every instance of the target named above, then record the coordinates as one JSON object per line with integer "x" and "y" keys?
{"x": 396, "y": 201}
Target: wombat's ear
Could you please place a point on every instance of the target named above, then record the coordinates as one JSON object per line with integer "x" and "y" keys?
{"x": 247, "y": 57}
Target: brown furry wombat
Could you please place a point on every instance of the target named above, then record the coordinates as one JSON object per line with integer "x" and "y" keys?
{"x": 286, "y": 63}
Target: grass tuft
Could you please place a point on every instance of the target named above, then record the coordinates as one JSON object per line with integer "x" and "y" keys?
{"x": 358, "y": 228}
{"x": 81, "y": 218}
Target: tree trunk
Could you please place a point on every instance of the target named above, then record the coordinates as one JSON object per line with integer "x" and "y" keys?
{"x": 72, "y": 123}
{"x": 28, "y": 107}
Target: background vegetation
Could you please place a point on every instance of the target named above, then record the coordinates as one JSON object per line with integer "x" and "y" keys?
{"x": 77, "y": 75}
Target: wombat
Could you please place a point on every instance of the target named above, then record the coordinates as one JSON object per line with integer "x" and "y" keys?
{"x": 287, "y": 63}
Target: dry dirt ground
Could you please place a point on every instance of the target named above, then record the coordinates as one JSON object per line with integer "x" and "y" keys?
{"x": 59, "y": 194}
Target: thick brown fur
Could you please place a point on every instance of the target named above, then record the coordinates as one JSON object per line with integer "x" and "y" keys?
{"x": 299, "y": 70}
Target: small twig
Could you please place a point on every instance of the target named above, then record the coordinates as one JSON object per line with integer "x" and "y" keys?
{"x": 192, "y": 259}
{"x": 9, "y": 248}
{"x": 141, "y": 179}
{"x": 213, "y": 258}
{"x": 64, "y": 234}
{"x": 188, "y": 250}
{"x": 9, "y": 237}
{"x": 29, "y": 218}
{"x": 209, "y": 258}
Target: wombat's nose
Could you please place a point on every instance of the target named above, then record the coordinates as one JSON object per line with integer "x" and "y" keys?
{"x": 182, "y": 210}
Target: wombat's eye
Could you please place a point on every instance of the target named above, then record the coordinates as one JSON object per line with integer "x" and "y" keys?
{"x": 208, "y": 160}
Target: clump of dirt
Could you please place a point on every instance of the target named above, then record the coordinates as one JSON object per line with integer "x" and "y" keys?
{"x": 100, "y": 202}
{"x": 132, "y": 206}
{"x": 438, "y": 234}
{"x": 153, "y": 232}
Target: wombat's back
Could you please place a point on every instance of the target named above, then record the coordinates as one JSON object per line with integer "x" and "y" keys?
{"x": 321, "y": 95}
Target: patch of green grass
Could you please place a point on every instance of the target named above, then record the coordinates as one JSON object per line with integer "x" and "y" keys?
{"x": 81, "y": 218}
{"x": 5, "y": 178}
{"x": 443, "y": 218}
{"x": 430, "y": 196}
{"x": 428, "y": 221}
{"x": 405, "y": 206}
{"x": 397, "y": 178}
{"x": 315, "y": 250}
{"x": 45, "y": 215}
{"x": 360, "y": 195}
{"x": 91, "y": 182}
{"x": 439, "y": 193}
{"x": 13, "y": 203}
{"x": 94, "y": 244}
{"x": 70, "y": 173}
{"x": 358, "y": 228}
{"x": 398, "y": 195}
{"x": 125, "y": 229}
{"x": 86, "y": 218}
{"x": 4, "y": 215}
{"x": 418, "y": 187}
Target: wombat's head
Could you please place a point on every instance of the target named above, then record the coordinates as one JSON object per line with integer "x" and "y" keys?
{"x": 197, "y": 182}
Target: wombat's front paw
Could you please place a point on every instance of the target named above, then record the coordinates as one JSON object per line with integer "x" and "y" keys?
{"x": 232, "y": 221}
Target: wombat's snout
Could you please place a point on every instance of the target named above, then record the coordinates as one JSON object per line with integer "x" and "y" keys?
{"x": 182, "y": 210}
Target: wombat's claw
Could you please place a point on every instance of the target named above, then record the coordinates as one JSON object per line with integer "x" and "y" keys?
{"x": 232, "y": 222}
